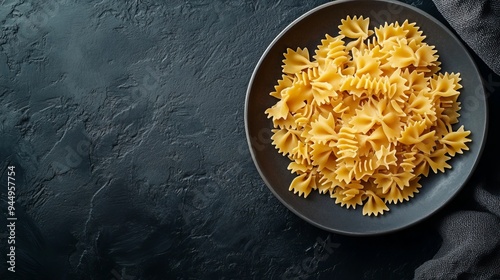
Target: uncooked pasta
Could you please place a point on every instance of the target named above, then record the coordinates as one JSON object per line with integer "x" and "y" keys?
{"x": 367, "y": 115}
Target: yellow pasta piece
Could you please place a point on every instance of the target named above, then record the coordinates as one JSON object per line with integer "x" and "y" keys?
{"x": 390, "y": 33}
{"x": 355, "y": 27}
{"x": 386, "y": 157}
{"x": 402, "y": 56}
{"x": 438, "y": 160}
{"x": 296, "y": 61}
{"x": 411, "y": 190}
{"x": 368, "y": 116}
{"x": 331, "y": 53}
{"x": 424, "y": 55}
{"x": 285, "y": 140}
{"x": 350, "y": 195}
{"x": 408, "y": 161}
{"x": 366, "y": 64}
{"x": 365, "y": 167}
{"x": 374, "y": 205}
{"x": 455, "y": 141}
{"x": 413, "y": 32}
{"x": 298, "y": 168}
{"x": 323, "y": 156}
{"x": 344, "y": 171}
{"x": 324, "y": 187}
{"x": 303, "y": 184}
{"x": 323, "y": 130}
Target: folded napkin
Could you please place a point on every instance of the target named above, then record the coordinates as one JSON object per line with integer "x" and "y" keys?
{"x": 471, "y": 241}
{"x": 471, "y": 236}
{"x": 477, "y": 22}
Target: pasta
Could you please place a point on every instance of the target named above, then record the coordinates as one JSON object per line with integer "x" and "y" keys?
{"x": 367, "y": 115}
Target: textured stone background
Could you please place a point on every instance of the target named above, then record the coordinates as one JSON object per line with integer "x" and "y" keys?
{"x": 124, "y": 120}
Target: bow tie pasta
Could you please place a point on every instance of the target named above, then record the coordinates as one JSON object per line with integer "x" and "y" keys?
{"x": 367, "y": 115}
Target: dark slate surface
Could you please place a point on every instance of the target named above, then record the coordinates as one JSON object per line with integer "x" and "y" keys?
{"x": 124, "y": 121}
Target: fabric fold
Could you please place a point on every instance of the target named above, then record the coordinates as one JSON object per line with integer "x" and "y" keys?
{"x": 469, "y": 249}
{"x": 478, "y": 24}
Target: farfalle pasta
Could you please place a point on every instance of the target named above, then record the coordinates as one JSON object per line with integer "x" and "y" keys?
{"x": 367, "y": 115}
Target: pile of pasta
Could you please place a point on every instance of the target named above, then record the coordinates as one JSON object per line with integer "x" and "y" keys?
{"x": 367, "y": 116}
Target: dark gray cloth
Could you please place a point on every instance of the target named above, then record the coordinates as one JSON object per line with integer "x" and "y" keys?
{"x": 471, "y": 242}
{"x": 471, "y": 236}
{"x": 477, "y": 22}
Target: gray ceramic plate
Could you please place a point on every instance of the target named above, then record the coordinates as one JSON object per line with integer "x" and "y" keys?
{"x": 320, "y": 210}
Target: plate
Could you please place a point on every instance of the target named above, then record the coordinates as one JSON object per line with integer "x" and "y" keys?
{"x": 321, "y": 210}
